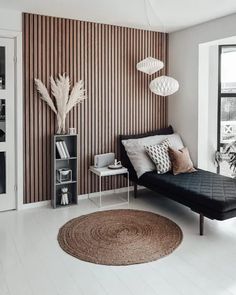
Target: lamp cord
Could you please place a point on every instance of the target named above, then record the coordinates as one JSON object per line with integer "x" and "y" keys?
{"x": 146, "y": 12}
{"x": 149, "y": 3}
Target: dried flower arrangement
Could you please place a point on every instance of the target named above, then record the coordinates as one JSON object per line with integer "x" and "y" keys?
{"x": 64, "y": 99}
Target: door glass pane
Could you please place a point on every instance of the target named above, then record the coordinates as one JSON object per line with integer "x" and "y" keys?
{"x": 2, "y": 120}
{"x": 228, "y": 119}
{"x": 2, "y": 173}
{"x": 228, "y": 69}
{"x": 2, "y": 67}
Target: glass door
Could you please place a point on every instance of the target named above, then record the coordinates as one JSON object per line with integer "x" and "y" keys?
{"x": 7, "y": 127}
{"x": 226, "y": 104}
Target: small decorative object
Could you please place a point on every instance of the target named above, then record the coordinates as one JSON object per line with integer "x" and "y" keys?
{"x": 164, "y": 86}
{"x": 65, "y": 196}
{"x": 64, "y": 175}
{"x": 150, "y": 65}
{"x": 116, "y": 165}
{"x": 65, "y": 101}
{"x": 72, "y": 131}
{"x": 228, "y": 155}
{"x": 117, "y": 162}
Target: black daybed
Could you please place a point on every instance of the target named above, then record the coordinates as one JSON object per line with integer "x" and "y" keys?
{"x": 209, "y": 194}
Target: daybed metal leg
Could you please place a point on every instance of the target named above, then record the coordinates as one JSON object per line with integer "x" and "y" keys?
{"x": 201, "y": 224}
{"x": 135, "y": 190}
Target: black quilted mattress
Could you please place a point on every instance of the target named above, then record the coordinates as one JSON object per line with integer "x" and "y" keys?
{"x": 204, "y": 192}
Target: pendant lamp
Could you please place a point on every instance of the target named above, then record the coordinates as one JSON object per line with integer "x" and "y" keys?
{"x": 164, "y": 86}
{"x": 150, "y": 65}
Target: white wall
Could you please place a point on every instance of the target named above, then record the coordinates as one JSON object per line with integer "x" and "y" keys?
{"x": 207, "y": 105}
{"x": 183, "y": 66}
{"x": 10, "y": 20}
{"x": 212, "y": 107}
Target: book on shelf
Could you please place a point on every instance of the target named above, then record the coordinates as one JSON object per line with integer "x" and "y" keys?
{"x": 66, "y": 149}
{"x": 59, "y": 149}
{"x": 62, "y": 149}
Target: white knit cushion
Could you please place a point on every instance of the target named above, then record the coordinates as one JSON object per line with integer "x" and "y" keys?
{"x": 160, "y": 156}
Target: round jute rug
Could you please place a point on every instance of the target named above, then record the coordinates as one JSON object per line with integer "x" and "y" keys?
{"x": 120, "y": 237}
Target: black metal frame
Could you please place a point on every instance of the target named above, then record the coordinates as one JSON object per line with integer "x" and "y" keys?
{"x": 135, "y": 190}
{"x": 220, "y": 95}
{"x": 201, "y": 224}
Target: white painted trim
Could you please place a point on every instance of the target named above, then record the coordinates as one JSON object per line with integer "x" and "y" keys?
{"x": 19, "y": 123}
{"x": 80, "y": 197}
{"x": 17, "y": 36}
{"x": 35, "y": 205}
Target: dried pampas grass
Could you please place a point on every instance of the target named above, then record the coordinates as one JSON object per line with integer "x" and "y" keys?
{"x": 64, "y": 99}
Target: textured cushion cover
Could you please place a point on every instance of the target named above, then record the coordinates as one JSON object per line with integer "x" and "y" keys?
{"x": 137, "y": 154}
{"x": 181, "y": 161}
{"x": 160, "y": 156}
{"x": 211, "y": 194}
{"x": 123, "y": 154}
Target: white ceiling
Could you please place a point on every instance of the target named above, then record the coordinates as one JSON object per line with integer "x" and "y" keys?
{"x": 160, "y": 15}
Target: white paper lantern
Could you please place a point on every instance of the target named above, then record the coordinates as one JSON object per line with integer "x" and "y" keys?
{"x": 164, "y": 86}
{"x": 150, "y": 65}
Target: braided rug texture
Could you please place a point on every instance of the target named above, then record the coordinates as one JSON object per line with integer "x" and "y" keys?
{"x": 120, "y": 237}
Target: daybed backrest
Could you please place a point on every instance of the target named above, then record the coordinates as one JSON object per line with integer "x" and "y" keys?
{"x": 123, "y": 155}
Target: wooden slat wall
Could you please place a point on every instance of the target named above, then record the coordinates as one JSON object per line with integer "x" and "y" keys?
{"x": 119, "y": 101}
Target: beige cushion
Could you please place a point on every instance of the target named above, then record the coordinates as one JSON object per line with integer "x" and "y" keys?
{"x": 137, "y": 153}
{"x": 181, "y": 161}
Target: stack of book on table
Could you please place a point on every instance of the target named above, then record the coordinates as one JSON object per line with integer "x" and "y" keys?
{"x": 62, "y": 149}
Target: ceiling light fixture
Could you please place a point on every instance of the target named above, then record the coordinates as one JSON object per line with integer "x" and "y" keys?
{"x": 163, "y": 85}
{"x": 150, "y": 65}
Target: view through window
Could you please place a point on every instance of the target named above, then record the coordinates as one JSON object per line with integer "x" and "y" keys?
{"x": 227, "y": 102}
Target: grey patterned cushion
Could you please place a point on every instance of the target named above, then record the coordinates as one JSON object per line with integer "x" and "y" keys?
{"x": 160, "y": 156}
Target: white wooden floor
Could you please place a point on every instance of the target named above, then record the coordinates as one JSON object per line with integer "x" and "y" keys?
{"x": 32, "y": 263}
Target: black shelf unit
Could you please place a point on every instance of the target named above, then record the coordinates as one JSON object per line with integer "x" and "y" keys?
{"x": 71, "y": 162}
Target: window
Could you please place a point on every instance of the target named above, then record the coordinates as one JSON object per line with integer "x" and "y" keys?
{"x": 226, "y": 100}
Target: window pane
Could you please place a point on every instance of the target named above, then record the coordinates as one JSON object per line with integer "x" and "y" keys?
{"x": 2, "y": 120}
{"x": 2, "y": 67}
{"x": 2, "y": 173}
{"x": 228, "y": 69}
{"x": 228, "y": 119}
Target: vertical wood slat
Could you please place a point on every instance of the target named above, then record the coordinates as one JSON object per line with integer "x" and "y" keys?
{"x": 119, "y": 101}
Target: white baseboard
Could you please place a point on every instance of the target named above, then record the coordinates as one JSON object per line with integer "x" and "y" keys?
{"x": 80, "y": 197}
{"x": 36, "y": 205}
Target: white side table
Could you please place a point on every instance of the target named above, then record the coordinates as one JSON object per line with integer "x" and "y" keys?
{"x": 105, "y": 171}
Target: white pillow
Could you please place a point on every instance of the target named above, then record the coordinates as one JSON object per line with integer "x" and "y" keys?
{"x": 137, "y": 153}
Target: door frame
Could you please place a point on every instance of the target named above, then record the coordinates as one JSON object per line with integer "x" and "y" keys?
{"x": 18, "y": 97}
